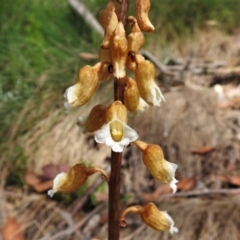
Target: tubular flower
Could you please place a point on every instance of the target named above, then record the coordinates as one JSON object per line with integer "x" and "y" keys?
{"x": 115, "y": 133}
{"x": 144, "y": 76}
{"x": 161, "y": 170}
{"x": 119, "y": 51}
{"x": 82, "y": 91}
{"x": 94, "y": 121}
{"x": 74, "y": 179}
{"x": 151, "y": 216}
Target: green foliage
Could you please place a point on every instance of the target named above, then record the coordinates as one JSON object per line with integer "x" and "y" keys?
{"x": 16, "y": 165}
{"x": 182, "y": 17}
{"x": 39, "y": 41}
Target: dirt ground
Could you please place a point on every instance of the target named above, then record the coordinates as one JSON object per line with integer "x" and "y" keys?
{"x": 198, "y": 128}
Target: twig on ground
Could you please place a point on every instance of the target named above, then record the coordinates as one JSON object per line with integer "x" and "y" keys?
{"x": 71, "y": 230}
{"x": 229, "y": 192}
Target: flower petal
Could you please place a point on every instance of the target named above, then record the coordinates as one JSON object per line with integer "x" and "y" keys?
{"x": 104, "y": 136}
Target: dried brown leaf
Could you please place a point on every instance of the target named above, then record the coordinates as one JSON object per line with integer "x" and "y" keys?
{"x": 234, "y": 180}
{"x": 51, "y": 170}
{"x": 11, "y": 230}
{"x": 162, "y": 189}
{"x": 203, "y": 150}
{"x": 31, "y": 178}
{"x": 186, "y": 184}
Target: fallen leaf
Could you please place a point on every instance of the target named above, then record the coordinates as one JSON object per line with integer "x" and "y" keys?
{"x": 101, "y": 197}
{"x": 51, "y": 170}
{"x": 161, "y": 189}
{"x": 186, "y": 184}
{"x": 31, "y": 178}
{"x": 234, "y": 180}
{"x": 43, "y": 186}
{"x": 11, "y": 230}
{"x": 203, "y": 150}
{"x": 36, "y": 182}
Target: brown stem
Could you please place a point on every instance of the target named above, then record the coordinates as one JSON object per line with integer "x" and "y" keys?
{"x": 115, "y": 176}
{"x": 116, "y": 158}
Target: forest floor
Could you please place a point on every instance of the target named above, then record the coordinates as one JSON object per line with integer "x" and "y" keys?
{"x": 198, "y": 128}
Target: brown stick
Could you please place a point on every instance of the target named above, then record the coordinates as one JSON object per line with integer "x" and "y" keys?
{"x": 115, "y": 176}
{"x": 116, "y": 158}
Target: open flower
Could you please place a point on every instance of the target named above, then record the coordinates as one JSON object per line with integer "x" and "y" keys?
{"x": 115, "y": 133}
{"x": 161, "y": 170}
{"x": 151, "y": 216}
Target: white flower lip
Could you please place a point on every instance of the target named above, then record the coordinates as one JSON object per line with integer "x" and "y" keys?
{"x": 157, "y": 96}
{"x": 172, "y": 229}
{"x": 57, "y": 181}
{"x": 172, "y": 169}
{"x": 104, "y": 136}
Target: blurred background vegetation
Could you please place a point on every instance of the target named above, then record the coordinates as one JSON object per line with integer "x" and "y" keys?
{"x": 40, "y": 42}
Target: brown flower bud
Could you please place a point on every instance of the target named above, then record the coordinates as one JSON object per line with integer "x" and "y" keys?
{"x": 94, "y": 121}
{"x": 119, "y": 51}
{"x": 74, "y": 179}
{"x": 131, "y": 95}
{"x": 135, "y": 38}
{"x": 142, "y": 9}
{"x": 109, "y": 21}
{"x": 151, "y": 216}
{"x": 85, "y": 87}
{"x": 144, "y": 76}
{"x": 160, "y": 169}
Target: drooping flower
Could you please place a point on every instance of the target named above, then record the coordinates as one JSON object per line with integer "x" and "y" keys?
{"x": 160, "y": 169}
{"x": 115, "y": 133}
{"x": 74, "y": 179}
{"x": 151, "y": 216}
{"x": 144, "y": 76}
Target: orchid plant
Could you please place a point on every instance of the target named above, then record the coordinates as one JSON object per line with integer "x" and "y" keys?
{"x": 120, "y": 51}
